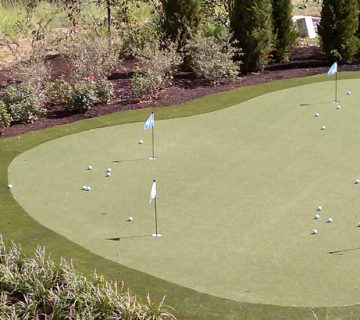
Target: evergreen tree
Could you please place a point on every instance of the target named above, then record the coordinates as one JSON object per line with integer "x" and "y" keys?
{"x": 181, "y": 20}
{"x": 251, "y": 24}
{"x": 338, "y": 29}
{"x": 284, "y": 29}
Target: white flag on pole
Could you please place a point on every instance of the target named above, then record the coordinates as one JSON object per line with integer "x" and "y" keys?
{"x": 150, "y": 122}
{"x": 153, "y": 192}
{"x": 333, "y": 69}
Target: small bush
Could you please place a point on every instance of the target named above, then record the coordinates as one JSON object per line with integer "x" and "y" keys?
{"x": 82, "y": 97}
{"x": 51, "y": 290}
{"x": 92, "y": 56}
{"x": 147, "y": 85}
{"x": 57, "y": 93}
{"x": 104, "y": 90}
{"x": 23, "y": 103}
{"x": 5, "y": 118}
{"x": 212, "y": 59}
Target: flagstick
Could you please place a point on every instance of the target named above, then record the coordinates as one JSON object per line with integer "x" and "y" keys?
{"x": 153, "y": 148}
{"x": 336, "y": 87}
{"x": 156, "y": 223}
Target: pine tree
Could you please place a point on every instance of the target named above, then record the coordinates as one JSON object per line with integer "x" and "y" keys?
{"x": 338, "y": 29}
{"x": 284, "y": 29}
{"x": 251, "y": 24}
{"x": 181, "y": 20}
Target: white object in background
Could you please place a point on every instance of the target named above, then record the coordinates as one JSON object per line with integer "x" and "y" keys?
{"x": 319, "y": 208}
{"x": 314, "y": 231}
{"x": 357, "y": 181}
{"x": 323, "y": 127}
{"x": 317, "y": 217}
{"x": 329, "y": 220}
{"x": 317, "y": 115}
{"x": 348, "y": 93}
{"x": 306, "y": 27}
{"x": 108, "y": 170}
{"x": 130, "y": 219}
{"x": 108, "y": 174}
{"x": 10, "y": 186}
{"x": 141, "y": 142}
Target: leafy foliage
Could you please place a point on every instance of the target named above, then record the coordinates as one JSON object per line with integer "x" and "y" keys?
{"x": 338, "y": 29}
{"x": 82, "y": 97}
{"x": 104, "y": 90}
{"x": 211, "y": 59}
{"x": 180, "y": 20}
{"x": 23, "y": 103}
{"x": 159, "y": 65}
{"x": 251, "y": 23}
{"x": 284, "y": 29}
{"x": 5, "y": 118}
{"x": 37, "y": 287}
{"x": 57, "y": 93}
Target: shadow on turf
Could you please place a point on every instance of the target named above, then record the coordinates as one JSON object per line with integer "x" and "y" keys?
{"x": 341, "y": 252}
{"x": 315, "y": 103}
{"x": 128, "y": 160}
{"x": 129, "y": 237}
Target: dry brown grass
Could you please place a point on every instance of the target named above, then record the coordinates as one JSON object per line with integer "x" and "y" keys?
{"x": 312, "y": 9}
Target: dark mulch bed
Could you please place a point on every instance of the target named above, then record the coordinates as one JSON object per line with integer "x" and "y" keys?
{"x": 306, "y": 61}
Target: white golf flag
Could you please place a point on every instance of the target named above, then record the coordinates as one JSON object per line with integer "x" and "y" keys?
{"x": 333, "y": 69}
{"x": 150, "y": 122}
{"x": 153, "y": 192}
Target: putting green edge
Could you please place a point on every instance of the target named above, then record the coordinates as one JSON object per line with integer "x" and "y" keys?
{"x": 16, "y": 225}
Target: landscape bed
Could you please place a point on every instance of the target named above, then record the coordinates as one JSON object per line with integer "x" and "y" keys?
{"x": 238, "y": 189}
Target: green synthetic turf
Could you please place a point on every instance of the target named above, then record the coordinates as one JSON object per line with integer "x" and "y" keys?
{"x": 237, "y": 192}
{"x": 17, "y": 225}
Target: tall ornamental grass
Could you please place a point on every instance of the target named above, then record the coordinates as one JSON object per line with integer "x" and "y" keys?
{"x": 38, "y": 288}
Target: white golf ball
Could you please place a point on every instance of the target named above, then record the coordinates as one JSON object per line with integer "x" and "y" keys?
{"x": 338, "y": 107}
{"x": 329, "y": 220}
{"x": 314, "y": 231}
{"x": 130, "y": 219}
{"x": 108, "y": 170}
{"x": 317, "y": 217}
{"x": 141, "y": 142}
{"x": 108, "y": 174}
{"x": 84, "y": 188}
{"x": 357, "y": 181}
{"x": 10, "y": 186}
{"x": 89, "y": 167}
{"x": 358, "y": 225}
{"x": 319, "y": 208}
{"x": 323, "y": 127}
{"x": 88, "y": 188}
{"x": 317, "y": 114}
{"x": 348, "y": 93}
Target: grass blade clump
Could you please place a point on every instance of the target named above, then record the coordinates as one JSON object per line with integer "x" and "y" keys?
{"x": 38, "y": 288}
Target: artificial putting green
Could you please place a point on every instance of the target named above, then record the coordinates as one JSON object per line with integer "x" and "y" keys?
{"x": 237, "y": 193}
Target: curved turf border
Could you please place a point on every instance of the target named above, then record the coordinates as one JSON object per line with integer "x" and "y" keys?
{"x": 17, "y": 225}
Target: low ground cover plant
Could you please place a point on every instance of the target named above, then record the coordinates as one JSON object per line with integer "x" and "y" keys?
{"x": 38, "y": 288}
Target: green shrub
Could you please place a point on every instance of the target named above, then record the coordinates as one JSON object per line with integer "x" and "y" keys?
{"x": 23, "y": 103}
{"x": 92, "y": 56}
{"x": 251, "y": 23}
{"x": 180, "y": 20}
{"x": 211, "y": 59}
{"x": 5, "y": 118}
{"x": 82, "y": 97}
{"x": 147, "y": 85}
{"x": 104, "y": 90}
{"x": 338, "y": 29}
{"x": 50, "y": 290}
{"x": 57, "y": 93}
{"x": 284, "y": 29}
